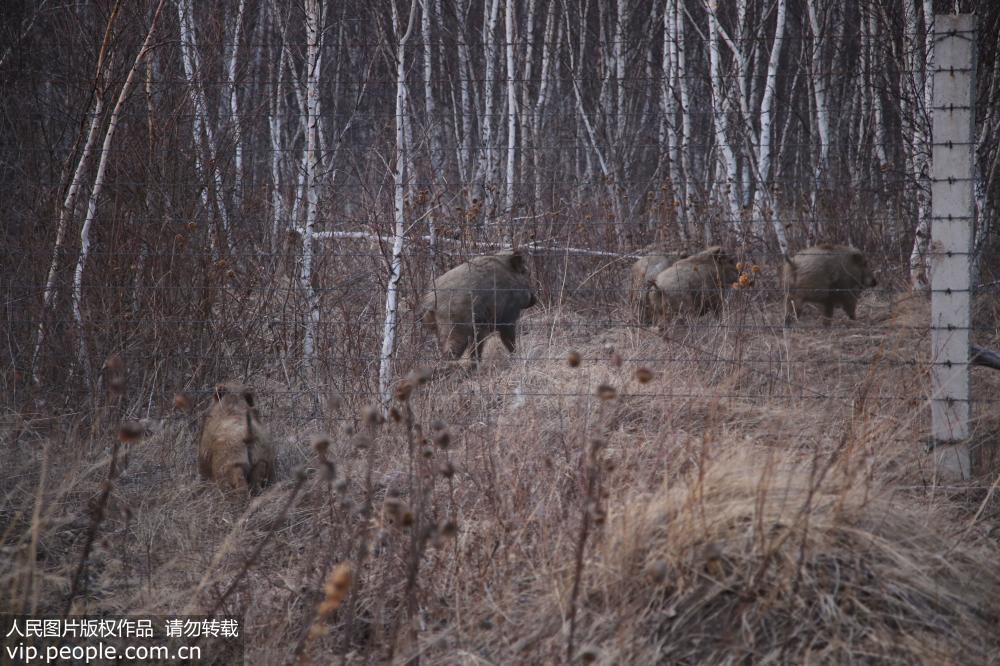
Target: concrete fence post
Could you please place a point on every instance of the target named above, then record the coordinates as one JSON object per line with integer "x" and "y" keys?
{"x": 951, "y": 176}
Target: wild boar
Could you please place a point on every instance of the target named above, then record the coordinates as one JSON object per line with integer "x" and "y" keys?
{"x": 642, "y": 275}
{"x": 695, "y": 285}
{"x": 475, "y": 299}
{"x": 828, "y": 275}
{"x": 235, "y": 449}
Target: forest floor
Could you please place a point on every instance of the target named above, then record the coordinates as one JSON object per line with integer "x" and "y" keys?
{"x": 723, "y": 490}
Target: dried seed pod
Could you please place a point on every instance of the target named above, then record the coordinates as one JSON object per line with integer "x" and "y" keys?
{"x": 404, "y": 390}
{"x": 131, "y": 431}
{"x": 114, "y": 373}
{"x": 573, "y": 360}
{"x": 449, "y": 529}
{"x": 372, "y": 416}
{"x": 321, "y": 444}
{"x": 643, "y": 375}
{"x": 606, "y": 392}
{"x": 182, "y": 402}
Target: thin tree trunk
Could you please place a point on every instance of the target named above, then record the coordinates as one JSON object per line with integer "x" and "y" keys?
{"x": 234, "y": 108}
{"x": 69, "y": 202}
{"x": 313, "y": 64}
{"x": 95, "y": 193}
{"x": 511, "y": 120}
{"x": 399, "y": 185}
{"x": 205, "y": 150}
{"x": 922, "y": 90}
{"x": 767, "y": 203}
{"x": 549, "y": 45}
{"x": 728, "y": 196}
{"x": 432, "y": 119}
{"x": 818, "y": 81}
{"x": 488, "y": 161}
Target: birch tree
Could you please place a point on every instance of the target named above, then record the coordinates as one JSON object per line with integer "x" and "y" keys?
{"x": 95, "y": 193}
{"x": 922, "y": 91}
{"x": 69, "y": 201}
{"x": 726, "y": 157}
{"x": 206, "y": 165}
{"x": 767, "y": 204}
{"x": 511, "y": 118}
{"x": 314, "y": 29}
{"x": 399, "y": 210}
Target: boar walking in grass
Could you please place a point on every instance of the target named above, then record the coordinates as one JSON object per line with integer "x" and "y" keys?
{"x": 830, "y": 276}
{"x": 475, "y": 299}
{"x": 235, "y": 449}
{"x": 642, "y": 275}
{"x": 692, "y": 286}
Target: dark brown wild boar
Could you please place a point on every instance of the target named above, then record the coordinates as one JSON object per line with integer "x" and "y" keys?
{"x": 235, "y": 449}
{"x": 828, "y": 275}
{"x": 694, "y": 285}
{"x": 475, "y": 299}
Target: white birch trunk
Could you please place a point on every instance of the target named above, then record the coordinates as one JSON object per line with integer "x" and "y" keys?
{"x": 465, "y": 140}
{"x": 684, "y": 145}
{"x": 69, "y": 202}
{"x": 524, "y": 103}
{"x": 673, "y": 140}
{"x": 508, "y": 203}
{"x": 728, "y": 196}
{"x": 488, "y": 161}
{"x": 234, "y": 107}
{"x": 205, "y": 149}
{"x": 765, "y": 196}
{"x": 95, "y": 193}
{"x": 550, "y": 44}
{"x": 399, "y": 234}
{"x": 313, "y": 65}
{"x": 432, "y": 119}
{"x": 921, "y": 64}
{"x": 818, "y": 81}
{"x": 277, "y": 113}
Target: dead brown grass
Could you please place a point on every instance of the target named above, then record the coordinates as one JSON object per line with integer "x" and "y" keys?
{"x": 762, "y": 497}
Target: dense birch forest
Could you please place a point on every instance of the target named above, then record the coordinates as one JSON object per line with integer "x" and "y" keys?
{"x": 147, "y": 143}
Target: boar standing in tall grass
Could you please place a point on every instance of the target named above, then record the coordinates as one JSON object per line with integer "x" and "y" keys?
{"x": 828, "y": 275}
{"x": 693, "y": 286}
{"x": 235, "y": 449}
{"x": 475, "y": 299}
{"x": 642, "y": 275}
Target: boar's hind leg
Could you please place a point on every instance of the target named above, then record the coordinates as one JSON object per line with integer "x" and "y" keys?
{"x": 850, "y": 305}
{"x": 479, "y": 343}
{"x": 508, "y": 336}
{"x": 455, "y": 342}
{"x": 827, "y": 312}
{"x": 260, "y": 475}
{"x": 236, "y": 477}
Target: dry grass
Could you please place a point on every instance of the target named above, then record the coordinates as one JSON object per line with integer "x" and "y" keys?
{"x": 758, "y": 495}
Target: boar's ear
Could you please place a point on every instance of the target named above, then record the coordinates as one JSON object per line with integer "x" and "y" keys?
{"x": 220, "y": 390}
{"x": 516, "y": 261}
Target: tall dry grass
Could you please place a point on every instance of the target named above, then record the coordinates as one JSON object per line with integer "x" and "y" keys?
{"x": 723, "y": 490}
